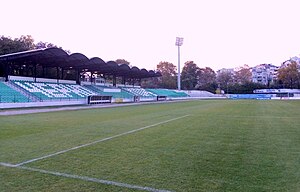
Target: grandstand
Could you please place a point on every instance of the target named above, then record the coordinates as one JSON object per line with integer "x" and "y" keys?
{"x": 73, "y": 78}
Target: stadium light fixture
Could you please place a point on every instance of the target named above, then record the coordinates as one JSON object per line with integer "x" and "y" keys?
{"x": 178, "y": 43}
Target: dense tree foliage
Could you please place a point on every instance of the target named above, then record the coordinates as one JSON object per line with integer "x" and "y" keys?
{"x": 152, "y": 82}
{"x": 289, "y": 75}
{"x": 122, "y": 61}
{"x": 224, "y": 79}
{"x": 189, "y": 75}
{"x": 207, "y": 80}
{"x": 243, "y": 88}
{"x": 168, "y": 71}
{"x": 243, "y": 75}
{"x": 24, "y": 43}
{"x": 194, "y": 77}
{"x": 8, "y": 45}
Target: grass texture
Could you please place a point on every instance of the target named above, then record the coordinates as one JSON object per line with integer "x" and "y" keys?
{"x": 222, "y": 145}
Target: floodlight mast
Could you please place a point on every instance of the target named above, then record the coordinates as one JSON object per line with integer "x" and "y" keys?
{"x": 178, "y": 43}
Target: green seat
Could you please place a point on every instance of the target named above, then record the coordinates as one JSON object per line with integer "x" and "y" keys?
{"x": 9, "y": 95}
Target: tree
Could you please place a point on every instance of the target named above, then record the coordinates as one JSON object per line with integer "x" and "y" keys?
{"x": 168, "y": 72}
{"x": 246, "y": 88}
{"x": 43, "y": 45}
{"x": 24, "y": 43}
{"x": 224, "y": 79}
{"x": 8, "y": 45}
{"x": 206, "y": 79}
{"x": 122, "y": 61}
{"x": 243, "y": 75}
{"x": 152, "y": 82}
{"x": 189, "y": 75}
{"x": 289, "y": 75}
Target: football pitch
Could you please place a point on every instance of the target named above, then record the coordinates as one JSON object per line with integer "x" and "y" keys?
{"x": 203, "y": 145}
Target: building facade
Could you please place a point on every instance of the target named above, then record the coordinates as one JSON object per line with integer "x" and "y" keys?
{"x": 264, "y": 73}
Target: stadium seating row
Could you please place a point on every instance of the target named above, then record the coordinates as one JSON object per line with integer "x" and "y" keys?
{"x": 46, "y": 91}
{"x": 140, "y": 92}
{"x": 103, "y": 90}
{"x": 168, "y": 93}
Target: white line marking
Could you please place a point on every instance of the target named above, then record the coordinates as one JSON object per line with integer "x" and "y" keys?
{"x": 98, "y": 141}
{"x": 7, "y": 164}
{"x": 84, "y": 178}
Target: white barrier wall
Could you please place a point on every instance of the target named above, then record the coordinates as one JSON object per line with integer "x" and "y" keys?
{"x": 42, "y": 104}
{"x": 20, "y": 78}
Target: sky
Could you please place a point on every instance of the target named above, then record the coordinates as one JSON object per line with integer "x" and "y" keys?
{"x": 217, "y": 33}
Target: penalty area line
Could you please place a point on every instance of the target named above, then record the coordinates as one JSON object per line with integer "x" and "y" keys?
{"x": 84, "y": 178}
{"x": 98, "y": 141}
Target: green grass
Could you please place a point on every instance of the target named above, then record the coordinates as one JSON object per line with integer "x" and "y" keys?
{"x": 223, "y": 145}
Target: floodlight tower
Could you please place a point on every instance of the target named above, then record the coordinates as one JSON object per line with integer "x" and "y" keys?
{"x": 178, "y": 43}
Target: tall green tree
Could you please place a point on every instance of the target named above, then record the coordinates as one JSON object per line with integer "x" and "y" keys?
{"x": 9, "y": 45}
{"x": 168, "y": 72}
{"x": 289, "y": 75}
{"x": 152, "y": 82}
{"x": 245, "y": 88}
{"x": 243, "y": 75}
{"x": 206, "y": 79}
{"x": 26, "y": 42}
{"x": 189, "y": 75}
{"x": 43, "y": 45}
{"x": 224, "y": 79}
{"x": 122, "y": 61}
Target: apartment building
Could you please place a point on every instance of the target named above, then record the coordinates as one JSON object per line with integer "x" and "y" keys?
{"x": 264, "y": 73}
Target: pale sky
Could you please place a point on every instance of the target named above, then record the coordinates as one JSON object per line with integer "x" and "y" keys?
{"x": 217, "y": 33}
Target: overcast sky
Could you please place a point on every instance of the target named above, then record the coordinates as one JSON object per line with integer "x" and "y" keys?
{"x": 217, "y": 33}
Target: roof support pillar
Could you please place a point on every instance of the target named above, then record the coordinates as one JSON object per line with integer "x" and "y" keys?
{"x": 34, "y": 72}
{"x": 6, "y": 72}
{"x": 91, "y": 79}
{"x": 43, "y": 72}
{"x": 114, "y": 80}
{"x": 123, "y": 80}
{"x": 77, "y": 73}
{"x": 62, "y": 73}
{"x": 57, "y": 74}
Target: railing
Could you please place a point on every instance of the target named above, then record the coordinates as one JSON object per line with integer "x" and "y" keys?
{"x": 13, "y": 99}
{"x": 20, "y": 99}
{"x": 77, "y": 98}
